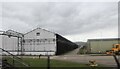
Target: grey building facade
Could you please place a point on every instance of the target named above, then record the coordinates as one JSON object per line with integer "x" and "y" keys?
{"x": 100, "y": 45}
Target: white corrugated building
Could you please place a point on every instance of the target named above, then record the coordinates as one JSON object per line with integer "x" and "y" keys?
{"x": 38, "y": 41}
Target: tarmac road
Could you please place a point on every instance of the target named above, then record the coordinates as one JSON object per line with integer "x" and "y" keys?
{"x": 107, "y": 61}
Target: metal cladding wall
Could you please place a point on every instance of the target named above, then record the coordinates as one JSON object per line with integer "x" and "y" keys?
{"x": 39, "y": 41}
{"x": 64, "y": 45}
{"x": 100, "y": 45}
{"x": 11, "y": 41}
{"x": 10, "y": 44}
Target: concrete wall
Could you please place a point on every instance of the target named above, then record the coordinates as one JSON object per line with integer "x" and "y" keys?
{"x": 100, "y": 46}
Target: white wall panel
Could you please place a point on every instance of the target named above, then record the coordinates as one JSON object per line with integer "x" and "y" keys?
{"x": 9, "y": 43}
{"x": 46, "y": 41}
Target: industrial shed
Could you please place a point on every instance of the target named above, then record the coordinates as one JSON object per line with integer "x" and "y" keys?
{"x": 40, "y": 41}
{"x": 100, "y": 45}
{"x": 36, "y": 42}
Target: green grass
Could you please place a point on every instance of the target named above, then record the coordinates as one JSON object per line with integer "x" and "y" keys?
{"x": 58, "y": 64}
{"x": 53, "y": 63}
{"x": 42, "y": 62}
{"x": 37, "y": 63}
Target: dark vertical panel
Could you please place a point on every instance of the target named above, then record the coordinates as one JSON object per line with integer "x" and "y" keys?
{"x": 64, "y": 45}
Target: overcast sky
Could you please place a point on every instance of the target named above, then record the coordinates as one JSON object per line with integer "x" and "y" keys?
{"x": 77, "y": 21}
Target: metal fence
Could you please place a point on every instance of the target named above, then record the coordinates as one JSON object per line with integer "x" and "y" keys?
{"x": 10, "y": 60}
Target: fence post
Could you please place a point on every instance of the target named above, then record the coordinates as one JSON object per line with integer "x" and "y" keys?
{"x": 117, "y": 61}
{"x": 13, "y": 62}
{"x": 48, "y": 62}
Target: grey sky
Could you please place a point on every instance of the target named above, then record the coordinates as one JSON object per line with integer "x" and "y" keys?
{"x": 73, "y": 20}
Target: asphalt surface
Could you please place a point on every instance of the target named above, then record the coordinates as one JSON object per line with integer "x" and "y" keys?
{"x": 73, "y": 52}
{"x": 107, "y": 61}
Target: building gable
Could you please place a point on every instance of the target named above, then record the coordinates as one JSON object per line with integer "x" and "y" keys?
{"x": 39, "y": 33}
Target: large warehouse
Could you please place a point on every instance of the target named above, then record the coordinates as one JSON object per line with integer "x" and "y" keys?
{"x": 100, "y": 45}
{"x": 38, "y": 41}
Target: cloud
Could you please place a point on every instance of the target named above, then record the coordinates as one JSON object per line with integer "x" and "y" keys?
{"x": 0, "y": 16}
{"x": 66, "y": 18}
{"x": 99, "y": 34}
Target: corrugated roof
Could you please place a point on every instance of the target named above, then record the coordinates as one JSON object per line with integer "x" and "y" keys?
{"x": 12, "y": 33}
{"x": 104, "y": 39}
{"x": 38, "y": 28}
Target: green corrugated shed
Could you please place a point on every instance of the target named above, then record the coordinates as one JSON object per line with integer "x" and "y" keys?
{"x": 100, "y": 45}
